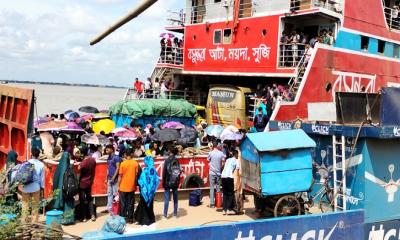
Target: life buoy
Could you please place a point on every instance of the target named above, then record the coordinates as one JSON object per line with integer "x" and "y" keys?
{"x": 193, "y": 181}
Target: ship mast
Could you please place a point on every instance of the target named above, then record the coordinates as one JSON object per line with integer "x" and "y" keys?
{"x": 131, "y": 15}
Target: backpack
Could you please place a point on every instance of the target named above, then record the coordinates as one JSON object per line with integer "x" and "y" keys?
{"x": 25, "y": 173}
{"x": 70, "y": 183}
{"x": 259, "y": 121}
{"x": 195, "y": 197}
{"x": 174, "y": 172}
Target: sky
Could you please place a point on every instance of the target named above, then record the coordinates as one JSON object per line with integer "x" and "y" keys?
{"x": 47, "y": 40}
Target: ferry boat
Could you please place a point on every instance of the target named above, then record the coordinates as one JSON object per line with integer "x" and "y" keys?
{"x": 242, "y": 43}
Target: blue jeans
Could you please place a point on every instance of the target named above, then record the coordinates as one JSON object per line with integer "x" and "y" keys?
{"x": 112, "y": 190}
{"x": 214, "y": 182}
{"x": 166, "y": 200}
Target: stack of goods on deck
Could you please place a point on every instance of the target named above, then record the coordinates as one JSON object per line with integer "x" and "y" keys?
{"x": 152, "y": 111}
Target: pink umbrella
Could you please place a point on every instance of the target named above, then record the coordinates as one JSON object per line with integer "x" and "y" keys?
{"x": 127, "y": 134}
{"x": 52, "y": 126}
{"x": 72, "y": 127}
{"x": 167, "y": 35}
{"x": 39, "y": 121}
{"x": 174, "y": 125}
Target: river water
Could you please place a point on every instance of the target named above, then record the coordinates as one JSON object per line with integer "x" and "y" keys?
{"x": 58, "y": 99}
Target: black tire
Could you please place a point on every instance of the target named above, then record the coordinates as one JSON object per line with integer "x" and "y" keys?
{"x": 325, "y": 203}
{"x": 193, "y": 181}
{"x": 287, "y": 205}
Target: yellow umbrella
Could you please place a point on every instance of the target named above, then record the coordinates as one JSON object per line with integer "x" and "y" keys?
{"x": 105, "y": 125}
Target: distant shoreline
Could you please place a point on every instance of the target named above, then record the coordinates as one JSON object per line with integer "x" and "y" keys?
{"x": 60, "y": 84}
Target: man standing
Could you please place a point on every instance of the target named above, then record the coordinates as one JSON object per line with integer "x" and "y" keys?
{"x": 147, "y": 87}
{"x": 138, "y": 87}
{"x": 227, "y": 176}
{"x": 112, "y": 178}
{"x": 128, "y": 173}
{"x": 31, "y": 192}
{"x": 215, "y": 159}
{"x": 88, "y": 169}
{"x": 260, "y": 120}
{"x": 171, "y": 177}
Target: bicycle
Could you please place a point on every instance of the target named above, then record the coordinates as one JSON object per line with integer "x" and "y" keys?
{"x": 323, "y": 197}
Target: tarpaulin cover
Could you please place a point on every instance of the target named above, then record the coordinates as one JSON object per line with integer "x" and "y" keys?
{"x": 154, "y": 107}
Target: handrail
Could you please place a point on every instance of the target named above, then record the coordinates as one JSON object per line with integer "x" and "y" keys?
{"x": 198, "y": 13}
{"x": 171, "y": 55}
{"x": 392, "y": 16}
{"x": 190, "y": 96}
{"x": 333, "y": 5}
{"x": 290, "y": 54}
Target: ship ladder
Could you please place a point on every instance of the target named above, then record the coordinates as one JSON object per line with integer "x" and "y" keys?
{"x": 295, "y": 81}
{"x": 339, "y": 173}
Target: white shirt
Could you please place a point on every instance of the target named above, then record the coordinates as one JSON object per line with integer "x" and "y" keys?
{"x": 147, "y": 85}
{"x": 163, "y": 88}
{"x": 96, "y": 155}
{"x": 230, "y": 166}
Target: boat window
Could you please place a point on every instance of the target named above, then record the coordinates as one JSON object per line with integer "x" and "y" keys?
{"x": 217, "y": 1}
{"x": 381, "y": 46}
{"x": 396, "y": 51}
{"x": 364, "y": 43}
{"x": 217, "y": 36}
{"x": 227, "y": 36}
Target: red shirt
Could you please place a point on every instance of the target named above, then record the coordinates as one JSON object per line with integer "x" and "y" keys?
{"x": 138, "y": 87}
{"x": 88, "y": 169}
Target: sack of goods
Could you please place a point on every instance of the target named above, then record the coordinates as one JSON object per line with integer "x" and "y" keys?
{"x": 114, "y": 224}
{"x": 195, "y": 197}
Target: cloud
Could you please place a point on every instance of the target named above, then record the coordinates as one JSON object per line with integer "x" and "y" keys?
{"x": 52, "y": 43}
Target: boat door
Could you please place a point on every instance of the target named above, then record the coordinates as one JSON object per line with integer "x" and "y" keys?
{"x": 198, "y": 11}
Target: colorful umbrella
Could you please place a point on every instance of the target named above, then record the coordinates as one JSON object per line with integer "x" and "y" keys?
{"x": 52, "y": 126}
{"x": 105, "y": 125}
{"x": 72, "y": 127}
{"x": 39, "y": 121}
{"x": 94, "y": 139}
{"x": 214, "y": 130}
{"x": 174, "y": 125}
{"x": 71, "y": 116}
{"x": 167, "y": 135}
{"x": 119, "y": 129}
{"x": 126, "y": 134}
{"x": 167, "y": 35}
{"x": 101, "y": 115}
{"x": 88, "y": 109}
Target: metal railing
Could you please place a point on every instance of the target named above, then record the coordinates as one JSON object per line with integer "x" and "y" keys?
{"x": 290, "y": 54}
{"x": 191, "y": 96}
{"x": 333, "y": 5}
{"x": 176, "y": 18}
{"x": 392, "y": 18}
{"x": 171, "y": 55}
{"x": 199, "y": 14}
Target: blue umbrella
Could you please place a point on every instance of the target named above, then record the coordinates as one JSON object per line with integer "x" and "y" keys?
{"x": 214, "y": 130}
{"x": 71, "y": 116}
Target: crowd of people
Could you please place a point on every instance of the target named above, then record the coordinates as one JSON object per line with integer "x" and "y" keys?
{"x": 171, "y": 50}
{"x": 295, "y": 44}
{"x": 157, "y": 89}
{"x": 124, "y": 177}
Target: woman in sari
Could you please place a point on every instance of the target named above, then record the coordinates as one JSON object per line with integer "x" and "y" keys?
{"x": 148, "y": 183}
{"x": 60, "y": 202}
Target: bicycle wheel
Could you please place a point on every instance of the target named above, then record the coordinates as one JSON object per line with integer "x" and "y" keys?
{"x": 287, "y": 205}
{"x": 326, "y": 203}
